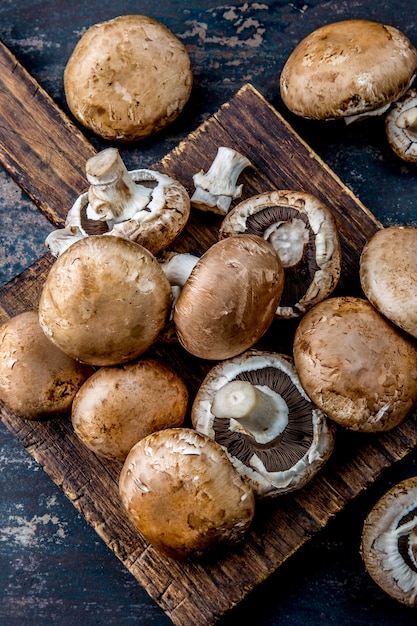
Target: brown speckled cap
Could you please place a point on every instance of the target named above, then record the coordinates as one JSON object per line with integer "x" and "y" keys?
{"x": 355, "y": 365}
{"x": 347, "y": 68}
{"x": 388, "y": 275}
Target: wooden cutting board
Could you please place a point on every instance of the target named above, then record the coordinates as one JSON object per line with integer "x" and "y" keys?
{"x": 46, "y": 154}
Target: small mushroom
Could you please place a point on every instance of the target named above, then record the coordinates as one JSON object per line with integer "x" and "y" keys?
{"x": 119, "y": 405}
{"x": 215, "y": 189}
{"x": 388, "y": 275}
{"x": 389, "y": 542}
{"x": 303, "y": 232}
{"x": 229, "y": 300}
{"x": 401, "y": 126}
{"x": 105, "y": 300}
{"x": 356, "y": 366}
{"x": 118, "y": 204}
{"x": 37, "y": 380}
{"x": 349, "y": 69}
{"x": 127, "y": 78}
{"x": 255, "y": 407}
{"x": 183, "y": 494}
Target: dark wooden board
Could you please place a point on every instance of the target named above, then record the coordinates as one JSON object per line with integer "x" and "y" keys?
{"x": 47, "y": 159}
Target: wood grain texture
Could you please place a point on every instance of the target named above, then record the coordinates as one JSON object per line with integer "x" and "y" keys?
{"x": 195, "y": 592}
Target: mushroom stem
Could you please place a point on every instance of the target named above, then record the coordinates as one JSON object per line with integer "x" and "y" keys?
{"x": 112, "y": 194}
{"x": 216, "y": 189}
{"x": 408, "y": 119}
{"x": 177, "y": 267}
{"x": 258, "y": 409}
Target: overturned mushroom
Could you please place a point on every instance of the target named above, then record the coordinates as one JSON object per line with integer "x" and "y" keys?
{"x": 303, "y": 232}
{"x": 152, "y": 214}
{"x": 254, "y": 406}
{"x": 349, "y": 69}
{"x": 389, "y": 542}
{"x": 181, "y": 491}
{"x": 105, "y": 300}
{"x": 388, "y": 275}
{"x": 215, "y": 189}
{"x": 37, "y": 380}
{"x": 356, "y": 366}
{"x": 230, "y": 297}
{"x": 401, "y": 126}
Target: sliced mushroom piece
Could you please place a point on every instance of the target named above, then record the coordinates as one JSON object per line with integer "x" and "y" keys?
{"x": 388, "y": 275}
{"x": 183, "y": 494}
{"x": 255, "y": 407}
{"x": 303, "y": 232}
{"x": 37, "y": 380}
{"x": 127, "y": 78}
{"x": 121, "y": 404}
{"x": 215, "y": 189}
{"x": 117, "y": 203}
{"x": 229, "y": 300}
{"x": 348, "y": 69}
{"x": 105, "y": 300}
{"x": 401, "y": 126}
{"x": 356, "y": 366}
{"x": 389, "y": 542}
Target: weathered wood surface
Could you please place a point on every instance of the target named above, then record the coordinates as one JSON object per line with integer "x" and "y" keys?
{"x": 191, "y": 592}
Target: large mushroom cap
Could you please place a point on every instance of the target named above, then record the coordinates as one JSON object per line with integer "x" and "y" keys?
{"x": 303, "y": 232}
{"x": 347, "y": 68}
{"x": 388, "y": 275}
{"x": 389, "y": 542}
{"x": 119, "y": 405}
{"x": 280, "y": 442}
{"x": 356, "y": 366}
{"x": 37, "y": 380}
{"x": 105, "y": 300}
{"x": 181, "y": 491}
{"x": 230, "y": 297}
{"x": 127, "y": 77}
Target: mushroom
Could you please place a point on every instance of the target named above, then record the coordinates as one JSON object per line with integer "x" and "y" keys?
{"x": 389, "y": 542}
{"x": 401, "y": 126}
{"x": 303, "y": 232}
{"x": 254, "y": 406}
{"x": 356, "y": 366}
{"x": 127, "y": 78}
{"x": 349, "y": 69}
{"x": 230, "y": 298}
{"x": 118, "y": 204}
{"x": 183, "y": 494}
{"x": 37, "y": 380}
{"x": 215, "y": 189}
{"x": 388, "y": 275}
{"x": 105, "y": 300}
{"x": 119, "y": 405}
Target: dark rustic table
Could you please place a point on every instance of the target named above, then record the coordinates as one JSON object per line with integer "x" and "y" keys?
{"x": 54, "y": 569}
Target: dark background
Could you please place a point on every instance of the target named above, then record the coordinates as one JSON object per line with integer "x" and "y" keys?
{"x": 54, "y": 569}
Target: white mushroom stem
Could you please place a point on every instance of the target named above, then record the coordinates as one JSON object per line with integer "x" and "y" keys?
{"x": 113, "y": 195}
{"x": 178, "y": 266}
{"x": 258, "y": 409}
{"x": 408, "y": 119}
{"x": 216, "y": 189}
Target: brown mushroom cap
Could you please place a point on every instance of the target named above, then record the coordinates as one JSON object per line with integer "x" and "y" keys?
{"x": 401, "y": 126}
{"x": 294, "y": 452}
{"x": 183, "y": 494}
{"x": 230, "y": 298}
{"x": 127, "y": 77}
{"x": 347, "y": 68}
{"x": 357, "y": 367}
{"x": 388, "y": 275}
{"x": 389, "y": 542}
{"x": 303, "y": 232}
{"x": 37, "y": 380}
{"x": 119, "y": 405}
{"x": 105, "y": 300}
